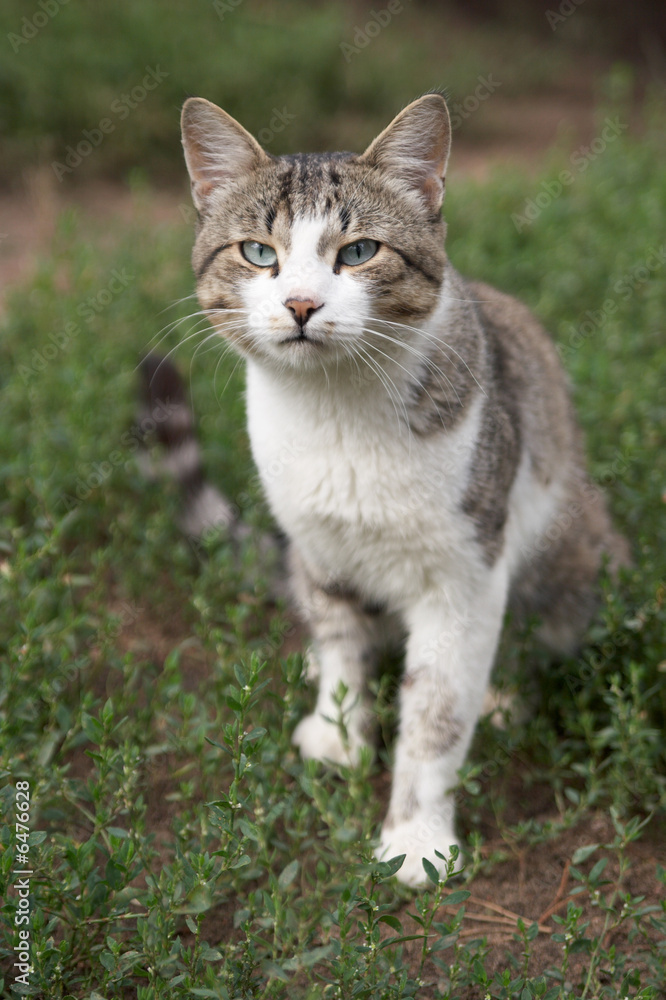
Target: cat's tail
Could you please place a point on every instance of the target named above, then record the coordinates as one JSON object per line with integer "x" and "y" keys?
{"x": 170, "y": 448}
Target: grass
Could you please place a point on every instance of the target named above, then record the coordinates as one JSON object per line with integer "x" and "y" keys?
{"x": 179, "y": 847}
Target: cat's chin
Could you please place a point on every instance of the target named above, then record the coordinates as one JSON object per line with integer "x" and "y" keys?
{"x": 299, "y": 349}
{"x": 299, "y": 353}
{"x": 299, "y": 338}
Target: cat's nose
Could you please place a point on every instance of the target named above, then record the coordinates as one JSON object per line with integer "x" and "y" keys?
{"x": 302, "y": 309}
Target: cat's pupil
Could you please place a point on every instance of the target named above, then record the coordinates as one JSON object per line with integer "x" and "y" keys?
{"x": 358, "y": 252}
{"x": 257, "y": 253}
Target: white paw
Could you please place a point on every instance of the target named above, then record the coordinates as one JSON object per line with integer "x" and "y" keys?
{"x": 318, "y": 739}
{"x": 418, "y": 838}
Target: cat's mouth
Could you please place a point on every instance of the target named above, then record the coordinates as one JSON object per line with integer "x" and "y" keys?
{"x": 299, "y": 338}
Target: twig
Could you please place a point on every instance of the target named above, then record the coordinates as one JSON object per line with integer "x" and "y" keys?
{"x": 554, "y": 907}
{"x": 558, "y": 901}
{"x": 507, "y": 918}
{"x": 494, "y": 906}
{"x": 473, "y": 932}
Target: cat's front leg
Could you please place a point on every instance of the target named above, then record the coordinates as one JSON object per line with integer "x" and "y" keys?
{"x": 453, "y": 636}
{"x": 344, "y": 636}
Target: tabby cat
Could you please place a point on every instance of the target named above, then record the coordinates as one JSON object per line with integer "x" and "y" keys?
{"x": 413, "y": 432}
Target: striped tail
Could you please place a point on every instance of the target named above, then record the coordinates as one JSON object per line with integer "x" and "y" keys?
{"x": 165, "y": 419}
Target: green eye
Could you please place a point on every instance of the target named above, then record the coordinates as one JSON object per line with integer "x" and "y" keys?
{"x": 259, "y": 253}
{"x": 358, "y": 252}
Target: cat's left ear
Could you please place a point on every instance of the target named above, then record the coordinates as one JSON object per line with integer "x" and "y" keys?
{"x": 217, "y": 149}
{"x": 415, "y": 148}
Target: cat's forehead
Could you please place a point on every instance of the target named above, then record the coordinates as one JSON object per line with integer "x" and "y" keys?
{"x": 336, "y": 189}
{"x": 308, "y": 184}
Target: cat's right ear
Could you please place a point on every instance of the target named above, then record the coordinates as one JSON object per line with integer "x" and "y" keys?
{"x": 414, "y": 148}
{"x": 217, "y": 149}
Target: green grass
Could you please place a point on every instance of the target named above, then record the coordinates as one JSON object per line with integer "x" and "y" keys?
{"x": 179, "y": 846}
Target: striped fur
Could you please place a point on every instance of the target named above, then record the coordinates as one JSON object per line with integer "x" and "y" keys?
{"x": 162, "y": 394}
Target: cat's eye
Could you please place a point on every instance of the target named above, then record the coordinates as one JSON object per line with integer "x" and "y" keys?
{"x": 259, "y": 253}
{"x": 358, "y": 252}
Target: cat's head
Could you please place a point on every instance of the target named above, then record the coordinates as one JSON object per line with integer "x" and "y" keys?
{"x": 299, "y": 257}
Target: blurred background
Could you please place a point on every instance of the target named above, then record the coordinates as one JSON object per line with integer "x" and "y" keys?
{"x": 338, "y": 68}
{"x": 90, "y": 93}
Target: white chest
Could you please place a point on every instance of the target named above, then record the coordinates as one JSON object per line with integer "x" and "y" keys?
{"x": 363, "y": 499}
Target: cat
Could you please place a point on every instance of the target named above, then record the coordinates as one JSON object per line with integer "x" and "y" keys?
{"x": 414, "y": 435}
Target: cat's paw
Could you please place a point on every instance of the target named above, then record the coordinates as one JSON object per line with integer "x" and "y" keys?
{"x": 418, "y": 838}
{"x": 318, "y": 739}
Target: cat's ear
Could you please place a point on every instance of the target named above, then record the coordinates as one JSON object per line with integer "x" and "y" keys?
{"x": 415, "y": 148}
{"x": 217, "y": 148}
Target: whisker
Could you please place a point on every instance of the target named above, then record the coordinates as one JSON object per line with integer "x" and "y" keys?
{"x": 214, "y": 336}
{"x": 376, "y": 370}
{"x": 166, "y": 330}
{"x": 216, "y": 344}
{"x": 231, "y": 375}
{"x": 411, "y": 374}
{"x": 180, "y": 343}
{"x": 436, "y": 340}
{"x": 177, "y": 302}
{"x": 424, "y": 357}
{"x": 182, "y": 340}
{"x": 199, "y": 312}
{"x": 382, "y": 374}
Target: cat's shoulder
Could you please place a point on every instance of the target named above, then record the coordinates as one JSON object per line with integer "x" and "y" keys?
{"x": 499, "y": 309}
{"x": 515, "y": 331}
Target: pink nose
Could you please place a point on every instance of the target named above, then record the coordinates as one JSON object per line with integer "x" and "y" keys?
{"x": 302, "y": 309}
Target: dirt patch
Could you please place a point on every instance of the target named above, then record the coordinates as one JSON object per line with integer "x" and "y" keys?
{"x": 29, "y": 216}
{"x": 535, "y": 884}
